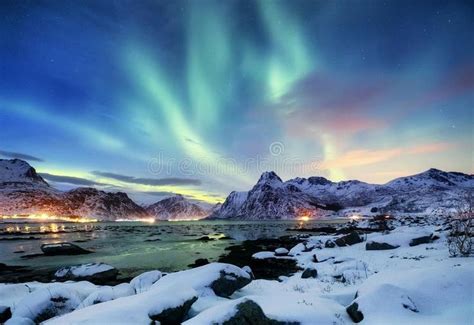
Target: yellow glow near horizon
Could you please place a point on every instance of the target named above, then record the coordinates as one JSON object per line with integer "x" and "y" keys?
{"x": 47, "y": 217}
{"x": 124, "y": 186}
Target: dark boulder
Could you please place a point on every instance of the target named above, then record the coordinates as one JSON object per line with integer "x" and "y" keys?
{"x": 354, "y": 312}
{"x": 374, "y": 246}
{"x": 173, "y": 315}
{"x": 329, "y": 244}
{"x": 5, "y": 314}
{"x": 307, "y": 248}
{"x": 423, "y": 240}
{"x": 349, "y": 239}
{"x": 268, "y": 268}
{"x": 228, "y": 283}
{"x": 199, "y": 262}
{"x": 63, "y": 249}
{"x": 250, "y": 313}
{"x": 309, "y": 273}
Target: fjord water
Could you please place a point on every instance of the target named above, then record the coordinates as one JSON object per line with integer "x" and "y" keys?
{"x": 134, "y": 247}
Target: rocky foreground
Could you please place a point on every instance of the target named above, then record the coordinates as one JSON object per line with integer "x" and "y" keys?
{"x": 372, "y": 272}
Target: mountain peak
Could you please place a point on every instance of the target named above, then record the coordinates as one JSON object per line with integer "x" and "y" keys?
{"x": 270, "y": 176}
{"x": 19, "y": 171}
{"x": 176, "y": 207}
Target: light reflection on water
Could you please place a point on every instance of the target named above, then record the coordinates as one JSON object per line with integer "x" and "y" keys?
{"x": 132, "y": 247}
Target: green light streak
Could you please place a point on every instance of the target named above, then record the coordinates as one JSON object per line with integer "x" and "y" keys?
{"x": 209, "y": 60}
{"x": 291, "y": 59}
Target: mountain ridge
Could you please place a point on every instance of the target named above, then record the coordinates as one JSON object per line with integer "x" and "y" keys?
{"x": 431, "y": 191}
{"x": 23, "y": 191}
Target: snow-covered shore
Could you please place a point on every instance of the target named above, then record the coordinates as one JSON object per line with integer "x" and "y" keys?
{"x": 336, "y": 285}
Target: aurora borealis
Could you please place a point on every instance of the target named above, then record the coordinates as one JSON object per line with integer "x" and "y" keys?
{"x": 160, "y": 97}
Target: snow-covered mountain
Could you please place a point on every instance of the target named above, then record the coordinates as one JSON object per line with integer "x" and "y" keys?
{"x": 176, "y": 208}
{"x": 23, "y": 191}
{"x": 16, "y": 172}
{"x": 270, "y": 198}
{"x": 430, "y": 192}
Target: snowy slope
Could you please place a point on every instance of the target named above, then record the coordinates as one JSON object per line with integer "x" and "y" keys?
{"x": 19, "y": 172}
{"x": 176, "y": 208}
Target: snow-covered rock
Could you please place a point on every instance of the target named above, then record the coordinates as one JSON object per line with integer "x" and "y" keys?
{"x": 43, "y": 304}
{"x": 281, "y": 251}
{"x": 107, "y": 293}
{"x": 239, "y": 311}
{"x": 432, "y": 295}
{"x": 223, "y": 279}
{"x": 136, "y": 309}
{"x": 144, "y": 281}
{"x": 94, "y": 272}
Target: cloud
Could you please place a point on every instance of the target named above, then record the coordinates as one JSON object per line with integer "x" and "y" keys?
{"x": 321, "y": 103}
{"x": 430, "y": 148}
{"x": 364, "y": 157}
{"x": 69, "y": 180}
{"x": 18, "y": 155}
{"x": 159, "y": 193}
{"x": 149, "y": 181}
{"x": 361, "y": 157}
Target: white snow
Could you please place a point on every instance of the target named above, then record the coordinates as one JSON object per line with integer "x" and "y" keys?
{"x": 431, "y": 295}
{"x": 263, "y": 255}
{"x": 144, "y": 281}
{"x": 83, "y": 270}
{"x": 107, "y": 293}
{"x": 281, "y": 251}
{"x": 57, "y": 298}
{"x": 199, "y": 278}
{"x": 129, "y": 310}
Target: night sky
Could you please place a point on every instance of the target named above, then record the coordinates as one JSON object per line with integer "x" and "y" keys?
{"x": 199, "y": 97}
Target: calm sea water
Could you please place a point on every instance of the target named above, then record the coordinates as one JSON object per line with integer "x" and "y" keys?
{"x": 134, "y": 247}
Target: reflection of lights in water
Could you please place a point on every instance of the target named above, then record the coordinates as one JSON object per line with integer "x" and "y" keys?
{"x": 47, "y": 217}
{"x": 185, "y": 219}
{"x": 147, "y": 220}
{"x": 217, "y": 236}
{"x": 355, "y": 217}
{"x": 305, "y": 215}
